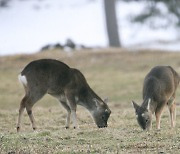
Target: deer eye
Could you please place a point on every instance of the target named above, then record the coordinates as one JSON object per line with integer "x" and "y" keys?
{"x": 146, "y": 120}
{"x": 103, "y": 117}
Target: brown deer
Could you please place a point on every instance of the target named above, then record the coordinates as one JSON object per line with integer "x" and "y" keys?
{"x": 66, "y": 84}
{"x": 159, "y": 89}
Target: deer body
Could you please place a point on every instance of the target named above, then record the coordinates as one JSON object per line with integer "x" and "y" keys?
{"x": 66, "y": 84}
{"x": 159, "y": 89}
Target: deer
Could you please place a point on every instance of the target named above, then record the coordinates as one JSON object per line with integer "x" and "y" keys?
{"x": 67, "y": 85}
{"x": 159, "y": 90}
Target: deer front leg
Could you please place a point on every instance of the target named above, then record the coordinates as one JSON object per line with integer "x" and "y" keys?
{"x": 74, "y": 119}
{"x": 158, "y": 118}
{"x": 65, "y": 105}
{"x": 68, "y": 119}
{"x": 72, "y": 104}
{"x": 158, "y": 114}
{"x": 172, "y": 111}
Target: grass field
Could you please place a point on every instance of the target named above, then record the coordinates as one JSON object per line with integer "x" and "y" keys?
{"x": 116, "y": 74}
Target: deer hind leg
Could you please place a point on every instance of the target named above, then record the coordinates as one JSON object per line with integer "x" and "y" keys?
{"x": 31, "y": 117}
{"x": 21, "y": 110}
{"x": 172, "y": 111}
{"x": 34, "y": 97}
{"x": 27, "y": 102}
{"x": 158, "y": 114}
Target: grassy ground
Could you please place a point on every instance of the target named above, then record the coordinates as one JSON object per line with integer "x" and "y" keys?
{"x": 116, "y": 74}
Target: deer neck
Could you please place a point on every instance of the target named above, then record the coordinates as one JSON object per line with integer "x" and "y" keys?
{"x": 152, "y": 105}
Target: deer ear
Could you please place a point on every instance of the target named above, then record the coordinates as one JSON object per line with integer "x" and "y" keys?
{"x": 136, "y": 106}
{"x": 106, "y": 100}
{"x": 96, "y": 102}
{"x": 148, "y": 105}
{"x": 107, "y": 111}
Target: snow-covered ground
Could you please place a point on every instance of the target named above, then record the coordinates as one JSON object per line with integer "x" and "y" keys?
{"x": 137, "y": 35}
{"x": 26, "y": 26}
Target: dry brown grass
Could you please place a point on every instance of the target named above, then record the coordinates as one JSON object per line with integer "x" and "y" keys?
{"x": 115, "y": 73}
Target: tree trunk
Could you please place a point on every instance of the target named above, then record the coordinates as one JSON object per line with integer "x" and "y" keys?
{"x": 111, "y": 23}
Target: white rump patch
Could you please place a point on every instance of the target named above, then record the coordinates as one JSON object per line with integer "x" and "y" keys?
{"x": 22, "y": 79}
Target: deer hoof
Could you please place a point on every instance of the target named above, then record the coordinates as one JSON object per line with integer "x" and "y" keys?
{"x": 18, "y": 129}
{"x": 34, "y": 128}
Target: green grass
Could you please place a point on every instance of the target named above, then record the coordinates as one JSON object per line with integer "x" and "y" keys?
{"x": 115, "y": 74}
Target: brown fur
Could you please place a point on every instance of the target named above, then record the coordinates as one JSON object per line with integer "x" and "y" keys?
{"x": 159, "y": 89}
{"x": 66, "y": 84}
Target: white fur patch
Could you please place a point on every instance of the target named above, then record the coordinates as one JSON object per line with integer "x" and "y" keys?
{"x": 148, "y": 106}
{"x": 76, "y": 99}
{"x": 22, "y": 79}
{"x": 143, "y": 115}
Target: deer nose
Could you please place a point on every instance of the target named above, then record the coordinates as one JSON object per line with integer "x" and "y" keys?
{"x": 102, "y": 126}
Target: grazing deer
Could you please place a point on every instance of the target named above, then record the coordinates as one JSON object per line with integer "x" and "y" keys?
{"x": 159, "y": 89}
{"x": 66, "y": 84}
